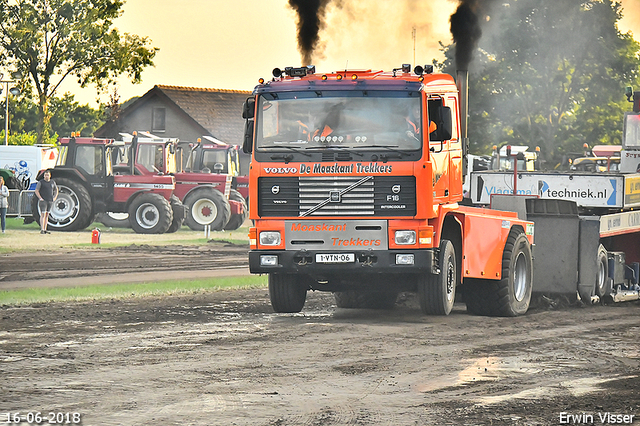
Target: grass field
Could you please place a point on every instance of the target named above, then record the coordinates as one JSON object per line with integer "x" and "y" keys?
{"x": 123, "y": 291}
{"x": 20, "y": 237}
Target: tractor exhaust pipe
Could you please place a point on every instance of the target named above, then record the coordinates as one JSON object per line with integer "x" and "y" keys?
{"x": 462, "y": 81}
{"x": 133, "y": 149}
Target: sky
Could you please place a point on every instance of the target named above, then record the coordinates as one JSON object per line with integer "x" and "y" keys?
{"x": 224, "y": 44}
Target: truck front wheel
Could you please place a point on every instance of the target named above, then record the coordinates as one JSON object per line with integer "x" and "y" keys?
{"x": 150, "y": 213}
{"x": 287, "y": 294}
{"x": 437, "y": 292}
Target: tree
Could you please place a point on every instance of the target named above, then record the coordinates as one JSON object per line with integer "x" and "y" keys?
{"x": 550, "y": 73}
{"x": 50, "y": 40}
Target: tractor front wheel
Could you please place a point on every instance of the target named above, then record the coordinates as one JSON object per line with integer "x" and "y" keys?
{"x": 150, "y": 213}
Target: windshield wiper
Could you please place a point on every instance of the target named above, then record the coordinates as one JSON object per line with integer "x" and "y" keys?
{"x": 385, "y": 157}
{"x": 341, "y": 148}
{"x": 286, "y": 157}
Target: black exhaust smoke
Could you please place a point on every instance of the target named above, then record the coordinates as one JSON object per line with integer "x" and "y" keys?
{"x": 466, "y": 31}
{"x": 310, "y": 21}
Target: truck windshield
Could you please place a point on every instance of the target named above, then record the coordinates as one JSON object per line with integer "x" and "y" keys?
{"x": 351, "y": 120}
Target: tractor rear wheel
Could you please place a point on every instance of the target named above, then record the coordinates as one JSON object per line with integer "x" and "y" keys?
{"x": 178, "y": 214}
{"x": 207, "y": 206}
{"x": 237, "y": 220}
{"x": 437, "y": 292}
{"x": 71, "y": 211}
{"x": 150, "y": 213}
{"x": 287, "y": 293}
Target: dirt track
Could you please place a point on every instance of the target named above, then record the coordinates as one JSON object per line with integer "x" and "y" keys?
{"x": 224, "y": 358}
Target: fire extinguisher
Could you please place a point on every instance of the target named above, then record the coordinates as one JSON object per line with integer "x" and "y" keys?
{"x": 95, "y": 236}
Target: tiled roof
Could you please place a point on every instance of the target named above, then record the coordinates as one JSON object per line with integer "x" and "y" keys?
{"x": 217, "y": 110}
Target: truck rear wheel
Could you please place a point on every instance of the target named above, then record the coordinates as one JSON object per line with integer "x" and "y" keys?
{"x": 207, "y": 206}
{"x": 602, "y": 277}
{"x": 510, "y": 296}
{"x": 150, "y": 213}
{"x": 178, "y": 214}
{"x": 365, "y": 299}
{"x": 237, "y": 220}
{"x": 437, "y": 293}
{"x": 71, "y": 211}
{"x": 287, "y": 293}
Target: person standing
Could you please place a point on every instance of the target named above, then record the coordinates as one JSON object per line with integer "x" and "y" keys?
{"x": 4, "y": 203}
{"x": 47, "y": 192}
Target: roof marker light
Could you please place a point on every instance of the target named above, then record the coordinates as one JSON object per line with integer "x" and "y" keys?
{"x": 261, "y": 80}
{"x": 354, "y": 77}
{"x": 324, "y": 76}
{"x": 339, "y": 77}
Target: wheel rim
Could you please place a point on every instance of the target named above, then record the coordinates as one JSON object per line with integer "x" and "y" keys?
{"x": 520, "y": 277}
{"x": 451, "y": 281}
{"x": 147, "y": 215}
{"x": 65, "y": 209}
{"x": 204, "y": 211}
{"x": 602, "y": 276}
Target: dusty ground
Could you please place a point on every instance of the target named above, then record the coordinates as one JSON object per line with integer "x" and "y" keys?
{"x": 223, "y": 358}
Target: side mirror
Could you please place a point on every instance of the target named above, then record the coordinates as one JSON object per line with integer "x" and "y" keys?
{"x": 247, "y": 144}
{"x": 248, "y": 109}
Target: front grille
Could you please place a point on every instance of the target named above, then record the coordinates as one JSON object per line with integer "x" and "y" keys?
{"x": 331, "y": 196}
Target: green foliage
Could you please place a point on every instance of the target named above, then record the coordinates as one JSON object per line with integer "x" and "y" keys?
{"x": 550, "y": 74}
{"x": 48, "y": 41}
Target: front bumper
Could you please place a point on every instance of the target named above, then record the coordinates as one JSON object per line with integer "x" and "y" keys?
{"x": 366, "y": 262}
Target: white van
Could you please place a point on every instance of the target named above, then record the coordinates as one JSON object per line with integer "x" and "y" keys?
{"x": 27, "y": 160}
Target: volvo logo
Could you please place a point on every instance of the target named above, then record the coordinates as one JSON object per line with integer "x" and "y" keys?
{"x": 275, "y": 189}
{"x": 395, "y": 189}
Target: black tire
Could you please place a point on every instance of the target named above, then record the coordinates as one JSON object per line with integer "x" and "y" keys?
{"x": 120, "y": 220}
{"x": 365, "y": 299}
{"x": 150, "y": 213}
{"x": 602, "y": 277}
{"x": 510, "y": 296}
{"x": 437, "y": 293}
{"x": 237, "y": 220}
{"x": 207, "y": 206}
{"x": 71, "y": 211}
{"x": 287, "y": 293}
{"x": 178, "y": 214}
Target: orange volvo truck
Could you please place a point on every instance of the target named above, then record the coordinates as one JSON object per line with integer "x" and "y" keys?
{"x": 356, "y": 178}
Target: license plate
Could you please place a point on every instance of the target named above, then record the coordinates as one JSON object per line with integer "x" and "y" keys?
{"x": 336, "y": 258}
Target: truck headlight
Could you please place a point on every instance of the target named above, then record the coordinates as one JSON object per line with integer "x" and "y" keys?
{"x": 405, "y": 237}
{"x": 270, "y": 238}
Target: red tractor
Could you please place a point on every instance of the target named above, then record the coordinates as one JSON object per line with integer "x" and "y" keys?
{"x": 221, "y": 159}
{"x": 89, "y": 184}
{"x": 204, "y": 186}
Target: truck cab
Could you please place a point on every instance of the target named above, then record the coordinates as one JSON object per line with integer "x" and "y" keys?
{"x": 355, "y": 182}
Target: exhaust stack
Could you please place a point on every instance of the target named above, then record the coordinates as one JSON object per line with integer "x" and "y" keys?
{"x": 462, "y": 81}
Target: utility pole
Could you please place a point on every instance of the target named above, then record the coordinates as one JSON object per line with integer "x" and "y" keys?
{"x": 15, "y": 92}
